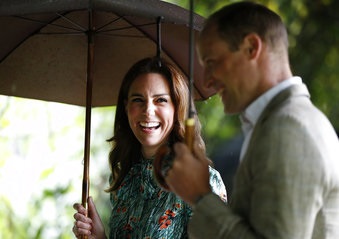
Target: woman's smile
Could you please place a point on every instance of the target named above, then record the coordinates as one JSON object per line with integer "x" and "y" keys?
{"x": 150, "y": 111}
{"x": 149, "y": 127}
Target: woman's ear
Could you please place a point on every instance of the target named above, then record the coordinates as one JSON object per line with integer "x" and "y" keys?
{"x": 253, "y": 45}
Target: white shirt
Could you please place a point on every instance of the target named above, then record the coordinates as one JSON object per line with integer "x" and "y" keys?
{"x": 252, "y": 113}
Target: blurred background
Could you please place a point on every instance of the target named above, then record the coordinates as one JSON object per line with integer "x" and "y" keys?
{"x": 41, "y": 143}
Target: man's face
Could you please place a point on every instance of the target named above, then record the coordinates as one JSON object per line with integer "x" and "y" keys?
{"x": 225, "y": 70}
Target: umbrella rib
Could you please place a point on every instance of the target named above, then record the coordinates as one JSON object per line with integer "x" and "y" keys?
{"x": 100, "y": 29}
{"x": 108, "y": 23}
{"x": 122, "y": 35}
{"x": 129, "y": 27}
{"x": 48, "y": 24}
{"x": 60, "y": 33}
{"x": 72, "y": 22}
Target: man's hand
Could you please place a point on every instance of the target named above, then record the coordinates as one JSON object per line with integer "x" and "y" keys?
{"x": 189, "y": 175}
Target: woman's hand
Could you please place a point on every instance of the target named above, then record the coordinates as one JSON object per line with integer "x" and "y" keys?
{"x": 88, "y": 225}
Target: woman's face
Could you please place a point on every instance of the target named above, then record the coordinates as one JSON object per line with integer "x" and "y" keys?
{"x": 150, "y": 111}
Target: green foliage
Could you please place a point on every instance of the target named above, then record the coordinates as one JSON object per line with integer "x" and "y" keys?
{"x": 11, "y": 226}
{"x": 216, "y": 126}
{"x": 41, "y": 166}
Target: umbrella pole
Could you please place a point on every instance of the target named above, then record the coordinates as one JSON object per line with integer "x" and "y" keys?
{"x": 190, "y": 122}
{"x": 90, "y": 60}
{"x": 164, "y": 157}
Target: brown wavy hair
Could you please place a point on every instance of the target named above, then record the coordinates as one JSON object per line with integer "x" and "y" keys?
{"x": 126, "y": 149}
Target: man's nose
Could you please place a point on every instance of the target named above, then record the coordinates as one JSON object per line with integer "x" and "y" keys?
{"x": 208, "y": 79}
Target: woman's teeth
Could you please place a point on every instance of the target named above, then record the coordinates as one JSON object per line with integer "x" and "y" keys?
{"x": 149, "y": 124}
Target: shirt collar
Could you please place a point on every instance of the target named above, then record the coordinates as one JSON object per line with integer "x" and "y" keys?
{"x": 251, "y": 114}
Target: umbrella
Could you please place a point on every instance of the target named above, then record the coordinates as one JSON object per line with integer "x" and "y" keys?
{"x": 77, "y": 51}
{"x": 43, "y": 46}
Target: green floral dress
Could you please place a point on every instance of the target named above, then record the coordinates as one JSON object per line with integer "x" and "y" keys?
{"x": 142, "y": 210}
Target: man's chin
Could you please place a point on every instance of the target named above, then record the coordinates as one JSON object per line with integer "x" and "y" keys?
{"x": 230, "y": 111}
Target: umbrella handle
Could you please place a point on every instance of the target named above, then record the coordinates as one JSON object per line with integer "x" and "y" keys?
{"x": 189, "y": 133}
{"x": 164, "y": 157}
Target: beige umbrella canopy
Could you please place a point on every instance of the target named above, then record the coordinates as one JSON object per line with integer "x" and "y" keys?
{"x": 77, "y": 51}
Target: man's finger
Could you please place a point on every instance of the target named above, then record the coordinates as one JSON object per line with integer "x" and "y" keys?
{"x": 180, "y": 149}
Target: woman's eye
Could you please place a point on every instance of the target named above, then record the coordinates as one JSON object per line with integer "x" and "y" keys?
{"x": 161, "y": 100}
{"x": 136, "y": 100}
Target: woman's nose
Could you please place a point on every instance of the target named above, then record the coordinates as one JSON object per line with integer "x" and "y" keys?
{"x": 149, "y": 108}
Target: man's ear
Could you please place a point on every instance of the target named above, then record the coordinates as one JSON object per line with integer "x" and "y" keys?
{"x": 252, "y": 45}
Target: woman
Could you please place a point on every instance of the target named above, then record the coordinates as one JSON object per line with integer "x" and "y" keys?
{"x": 151, "y": 111}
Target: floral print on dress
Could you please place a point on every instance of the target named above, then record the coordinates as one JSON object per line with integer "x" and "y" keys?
{"x": 142, "y": 210}
{"x": 166, "y": 220}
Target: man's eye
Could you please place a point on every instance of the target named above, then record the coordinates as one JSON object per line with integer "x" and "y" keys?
{"x": 209, "y": 63}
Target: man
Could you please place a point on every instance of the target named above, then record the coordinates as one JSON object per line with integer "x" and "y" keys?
{"x": 287, "y": 183}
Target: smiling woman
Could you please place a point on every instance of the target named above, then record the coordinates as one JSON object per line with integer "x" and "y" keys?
{"x": 151, "y": 111}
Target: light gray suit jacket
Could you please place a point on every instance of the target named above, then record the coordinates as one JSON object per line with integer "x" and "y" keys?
{"x": 287, "y": 185}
